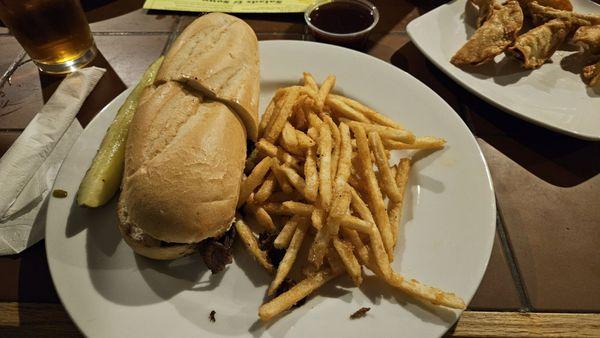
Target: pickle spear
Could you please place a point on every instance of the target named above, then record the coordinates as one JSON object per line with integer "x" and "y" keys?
{"x": 103, "y": 178}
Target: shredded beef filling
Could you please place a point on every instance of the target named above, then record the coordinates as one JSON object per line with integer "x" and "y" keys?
{"x": 216, "y": 253}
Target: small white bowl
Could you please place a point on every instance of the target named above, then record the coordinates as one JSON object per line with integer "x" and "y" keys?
{"x": 354, "y": 40}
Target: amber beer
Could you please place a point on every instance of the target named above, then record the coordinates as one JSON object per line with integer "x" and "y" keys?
{"x": 54, "y": 33}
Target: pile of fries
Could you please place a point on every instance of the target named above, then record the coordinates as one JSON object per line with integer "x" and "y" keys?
{"x": 311, "y": 181}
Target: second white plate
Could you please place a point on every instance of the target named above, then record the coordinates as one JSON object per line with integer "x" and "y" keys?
{"x": 553, "y": 96}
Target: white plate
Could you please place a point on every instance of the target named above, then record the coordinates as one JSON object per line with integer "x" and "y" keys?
{"x": 449, "y": 215}
{"x": 552, "y": 96}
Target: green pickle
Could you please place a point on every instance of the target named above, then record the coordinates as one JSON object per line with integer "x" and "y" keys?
{"x": 103, "y": 178}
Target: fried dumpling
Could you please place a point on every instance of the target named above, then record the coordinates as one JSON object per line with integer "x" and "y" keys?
{"x": 485, "y": 8}
{"x": 564, "y": 5}
{"x": 541, "y": 14}
{"x": 591, "y": 74}
{"x": 536, "y": 46}
{"x": 493, "y": 37}
{"x": 588, "y": 37}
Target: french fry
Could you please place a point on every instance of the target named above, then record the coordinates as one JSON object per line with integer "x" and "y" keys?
{"x": 304, "y": 141}
{"x": 417, "y": 289}
{"x": 299, "y": 118}
{"x": 374, "y": 193}
{"x": 393, "y": 170}
{"x": 285, "y": 235}
{"x": 289, "y": 140}
{"x": 272, "y": 110}
{"x": 345, "y": 158}
{"x": 311, "y": 175}
{"x": 313, "y": 133}
{"x": 295, "y": 179}
{"x": 324, "y": 90}
{"x": 388, "y": 155}
{"x": 339, "y": 207}
{"x": 317, "y": 218}
{"x": 310, "y": 82}
{"x": 355, "y": 182}
{"x": 341, "y": 109}
{"x": 395, "y": 208}
{"x": 264, "y": 219}
{"x": 309, "y": 106}
{"x": 254, "y": 179}
{"x": 249, "y": 207}
{"x": 298, "y": 208}
{"x": 345, "y": 250}
{"x": 289, "y": 207}
{"x": 389, "y": 183}
{"x": 361, "y": 208}
{"x": 355, "y": 223}
{"x": 380, "y": 182}
{"x": 251, "y": 244}
{"x": 335, "y": 135}
{"x": 281, "y": 178}
{"x": 275, "y": 208}
{"x": 266, "y": 189}
{"x": 361, "y": 249}
{"x": 290, "y": 256}
{"x": 389, "y": 133}
{"x": 313, "y": 120}
{"x": 324, "y": 150}
{"x": 426, "y": 142}
{"x": 427, "y": 293}
{"x": 335, "y": 261}
{"x": 267, "y": 116}
{"x": 308, "y": 93}
{"x": 379, "y": 255}
{"x": 272, "y": 150}
{"x": 275, "y": 126}
{"x": 287, "y": 299}
{"x": 255, "y": 156}
{"x": 369, "y": 113}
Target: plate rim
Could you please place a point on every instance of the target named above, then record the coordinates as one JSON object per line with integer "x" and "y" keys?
{"x": 469, "y": 134}
{"x": 410, "y": 29}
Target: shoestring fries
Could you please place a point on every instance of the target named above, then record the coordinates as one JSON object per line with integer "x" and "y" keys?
{"x": 320, "y": 178}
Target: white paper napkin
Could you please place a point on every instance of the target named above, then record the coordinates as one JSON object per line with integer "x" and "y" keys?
{"x": 29, "y": 167}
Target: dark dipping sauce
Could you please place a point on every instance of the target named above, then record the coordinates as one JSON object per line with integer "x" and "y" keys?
{"x": 342, "y": 17}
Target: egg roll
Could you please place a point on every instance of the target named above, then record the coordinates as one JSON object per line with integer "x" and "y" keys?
{"x": 588, "y": 37}
{"x": 536, "y": 46}
{"x": 493, "y": 37}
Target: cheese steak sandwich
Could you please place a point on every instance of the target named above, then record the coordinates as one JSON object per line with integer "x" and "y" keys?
{"x": 186, "y": 145}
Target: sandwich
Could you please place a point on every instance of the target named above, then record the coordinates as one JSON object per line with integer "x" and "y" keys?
{"x": 186, "y": 145}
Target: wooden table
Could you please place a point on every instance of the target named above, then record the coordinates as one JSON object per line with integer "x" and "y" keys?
{"x": 543, "y": 278}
